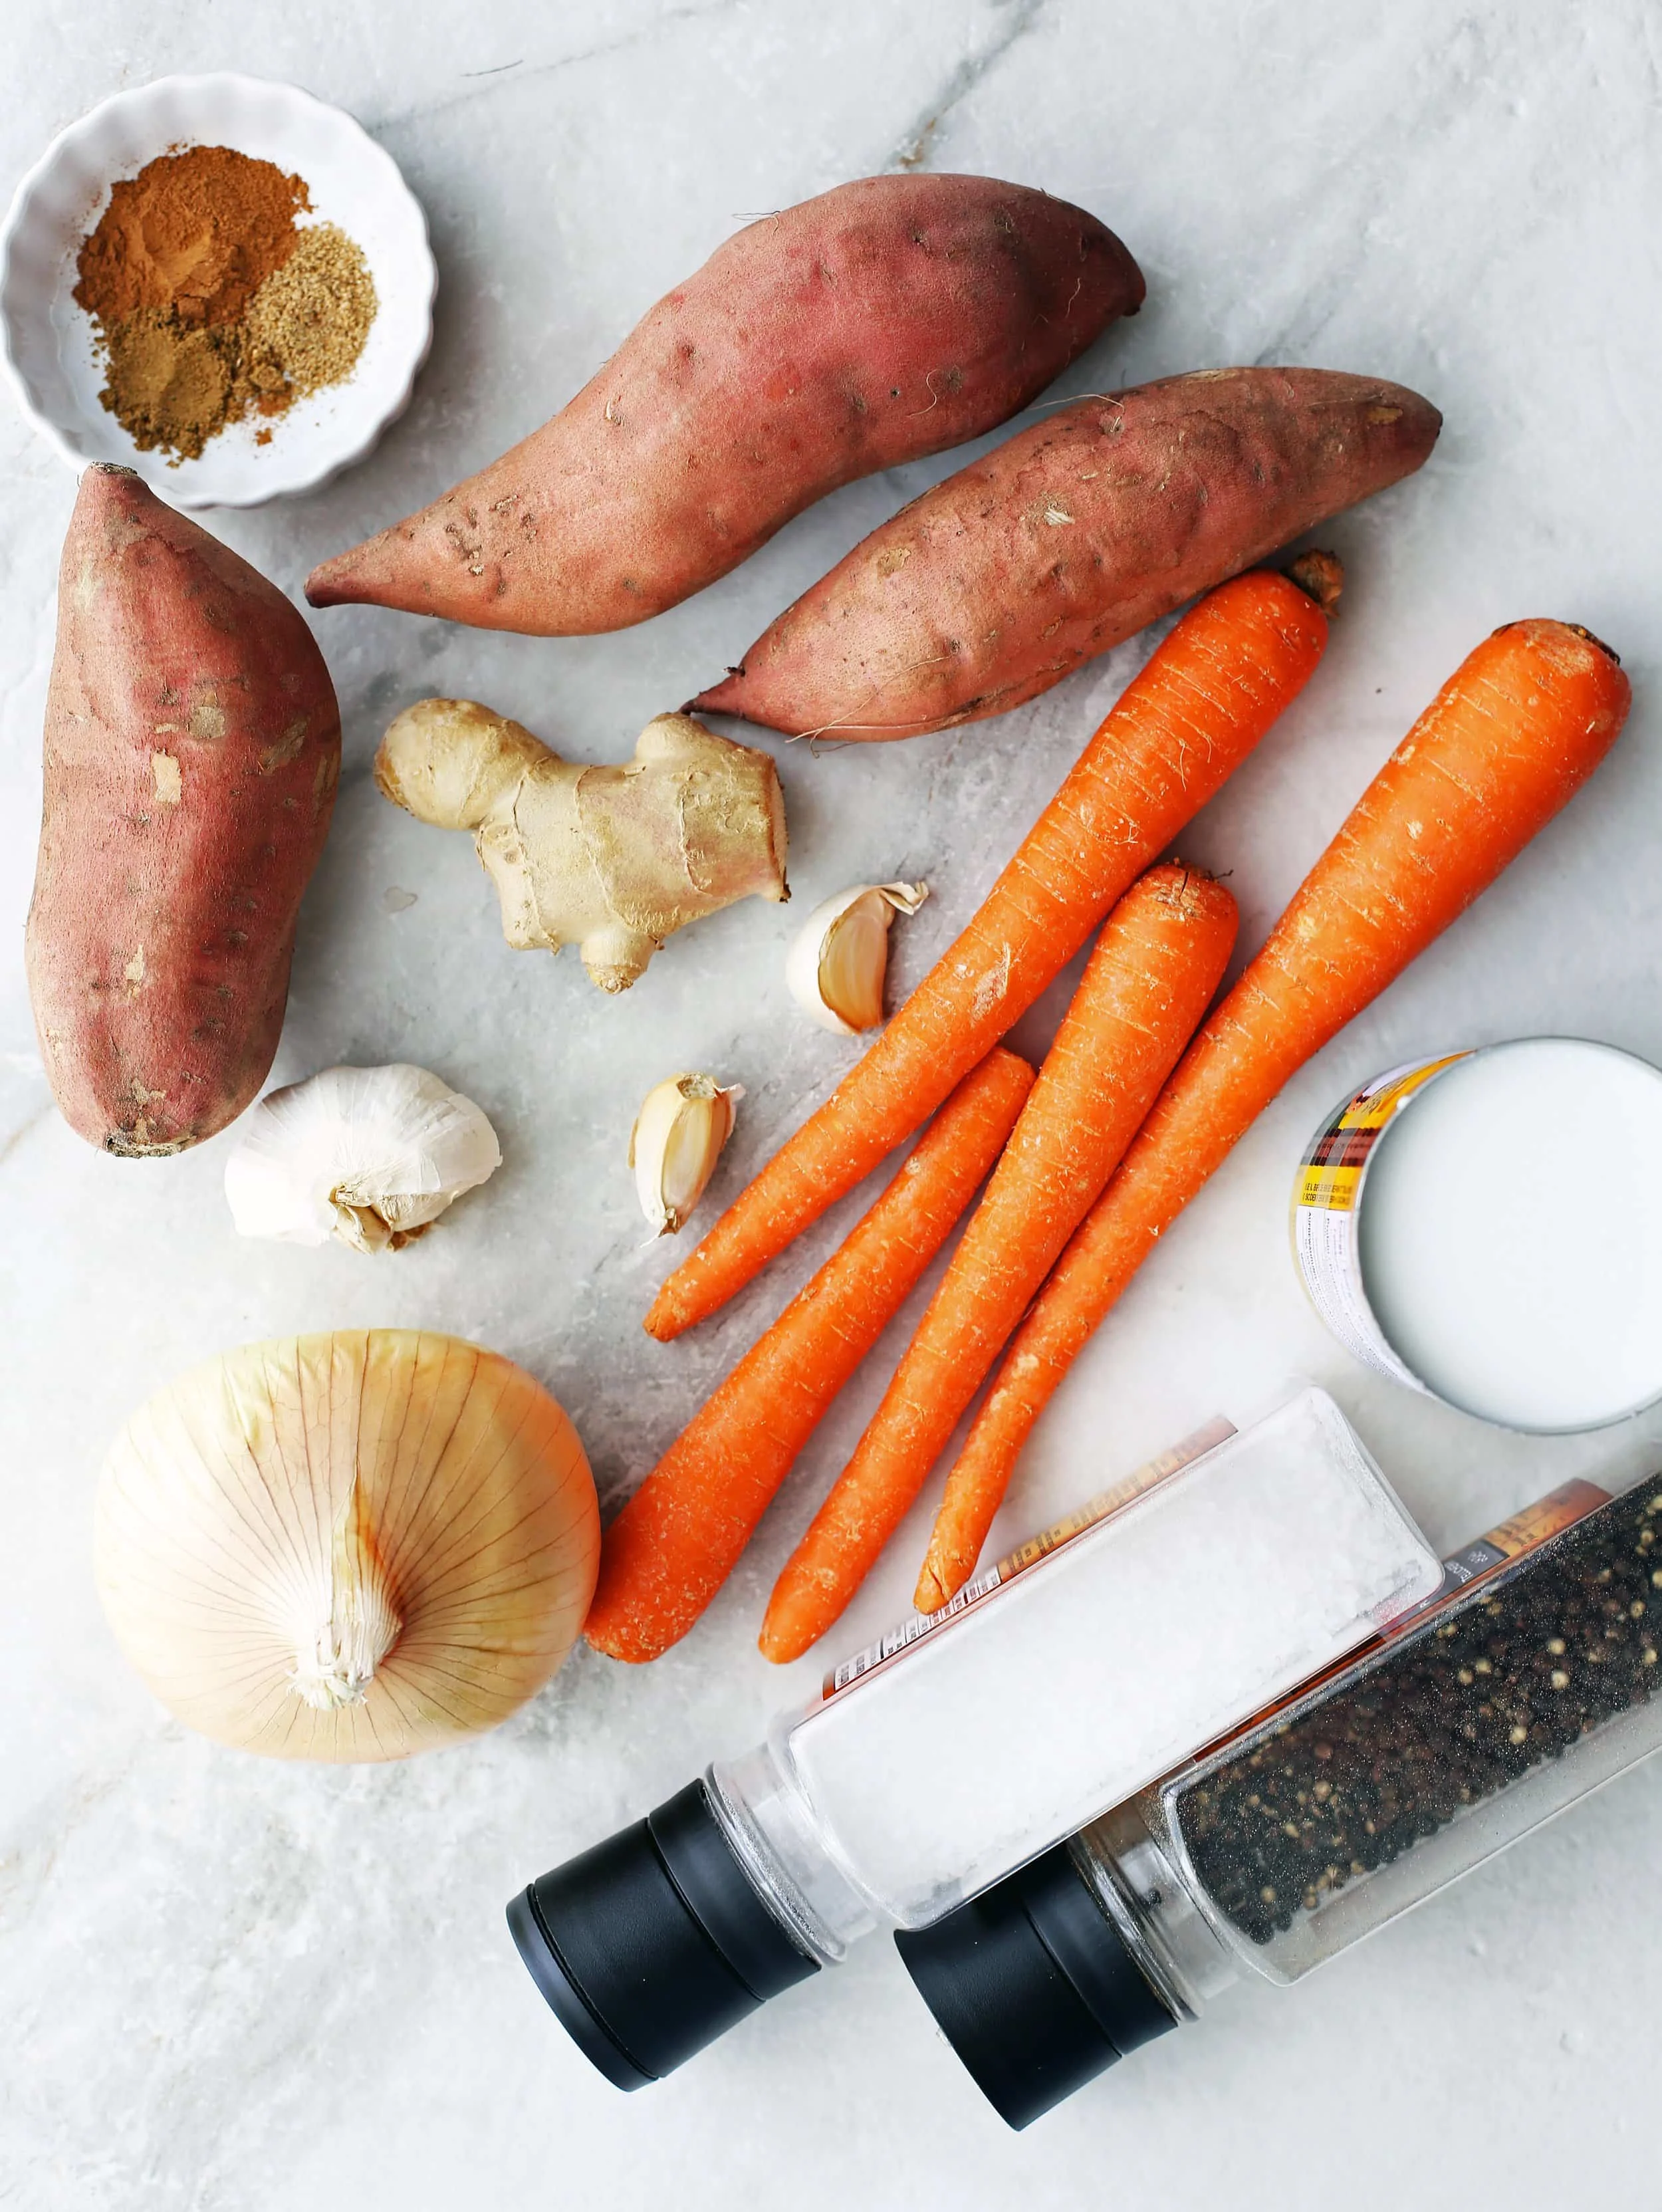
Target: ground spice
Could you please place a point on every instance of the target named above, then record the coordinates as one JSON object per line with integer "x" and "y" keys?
{"x": 169, "y": 387}
{"x": 309, "y": 320}
{"x": 1456, "y": 1712}
{"x": 197, "y": 233}
{"x": 212, "y": 303}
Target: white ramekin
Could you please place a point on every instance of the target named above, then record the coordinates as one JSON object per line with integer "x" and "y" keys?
{"x": 47, "y": 342}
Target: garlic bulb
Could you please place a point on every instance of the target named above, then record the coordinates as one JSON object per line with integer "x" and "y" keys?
{"x": 675, "y": 1145}
{"x": 346, "y": 1546}
{"x": 837, "y": 964}
{"x": 371, "y": 1155}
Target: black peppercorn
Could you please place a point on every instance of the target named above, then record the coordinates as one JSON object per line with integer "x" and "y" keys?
{"x": 1452, "y": 1711}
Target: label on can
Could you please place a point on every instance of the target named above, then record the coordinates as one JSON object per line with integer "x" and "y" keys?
{"x": 917, "y": 1626}
{"x": 1326, "y": 1205}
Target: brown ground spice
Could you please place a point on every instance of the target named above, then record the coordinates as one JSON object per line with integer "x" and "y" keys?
{"x": 197, "y": 232}
{"x": 212, "y": 303}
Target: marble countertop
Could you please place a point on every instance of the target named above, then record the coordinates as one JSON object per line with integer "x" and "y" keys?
{"x": 226, "y": 1984}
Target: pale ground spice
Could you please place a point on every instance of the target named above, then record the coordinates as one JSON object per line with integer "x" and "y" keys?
{"x": 308, "y": 324}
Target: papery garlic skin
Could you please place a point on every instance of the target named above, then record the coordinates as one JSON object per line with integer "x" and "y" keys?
{"x": 839, "y": 960}
{"x": 347, "y": 1546}
{"x": 676, "y": 1142}
{"x": 370, "y": 1155}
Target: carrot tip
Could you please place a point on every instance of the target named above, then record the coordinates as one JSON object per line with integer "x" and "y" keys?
{"x": 611, "y": 1645}
{"x": 932, "y": 1593}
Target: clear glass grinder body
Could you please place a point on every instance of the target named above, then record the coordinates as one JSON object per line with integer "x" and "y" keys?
{"x": 1215, "y": 1581}
{"x": 1530, "y": 1680}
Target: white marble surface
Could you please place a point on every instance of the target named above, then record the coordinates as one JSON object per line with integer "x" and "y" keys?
{"x": 225, "y": 1984}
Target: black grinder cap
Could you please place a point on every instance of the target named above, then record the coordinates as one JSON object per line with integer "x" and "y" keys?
{"x": 1033, "y": 1987}
{"x": 653, "y": 1943}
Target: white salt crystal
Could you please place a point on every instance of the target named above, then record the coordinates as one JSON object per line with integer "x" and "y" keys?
{"x": 1086, "y": 1677}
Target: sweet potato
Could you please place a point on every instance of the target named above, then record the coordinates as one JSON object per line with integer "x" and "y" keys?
{"x": 1068, "y": 537}
{"x": 192, "y": 745}
{"x": 884, "y": 320}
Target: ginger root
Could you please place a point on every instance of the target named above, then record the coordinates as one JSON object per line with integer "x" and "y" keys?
{"x": 615, "y": 859}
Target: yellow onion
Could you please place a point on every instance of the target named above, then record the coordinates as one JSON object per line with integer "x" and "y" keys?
{"x": 346, "y": 1546}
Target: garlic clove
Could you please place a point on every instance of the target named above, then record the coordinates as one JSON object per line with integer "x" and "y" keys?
{"x": 839, "y": 961}
{"x": 370, "y": 1155}
{"x": 675, "y": 1145}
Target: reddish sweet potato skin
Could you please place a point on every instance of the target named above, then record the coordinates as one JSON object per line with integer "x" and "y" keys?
{"x": 1071, "y": 536}
{"x": 884, "y": 320}
{"x": 192, "y": 750}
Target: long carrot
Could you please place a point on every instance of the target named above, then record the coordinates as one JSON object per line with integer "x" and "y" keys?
{"x": 1161, "y": 957}
{"x": 1197, "y": 708}
{"x": 1508, "y": 740}
{"x": 678, "y": 1538}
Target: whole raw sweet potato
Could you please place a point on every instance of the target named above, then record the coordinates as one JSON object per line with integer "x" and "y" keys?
{"x": 193, "y": 745}
{"x": 884, "y": 320}
{"x": 1068, "y": 537}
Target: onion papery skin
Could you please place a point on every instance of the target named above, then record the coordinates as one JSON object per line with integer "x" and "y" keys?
{"x": 396, "y": 1476}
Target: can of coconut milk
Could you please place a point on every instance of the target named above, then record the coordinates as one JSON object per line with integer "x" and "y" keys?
{"x": 1486, "y": 1227}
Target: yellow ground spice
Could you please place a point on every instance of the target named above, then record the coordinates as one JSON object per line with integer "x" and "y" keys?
{"x": 211, "y": 302}
{"x": 169, "y": 386}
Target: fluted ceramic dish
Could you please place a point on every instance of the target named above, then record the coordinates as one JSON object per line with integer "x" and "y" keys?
{"x": 47, "y": 341}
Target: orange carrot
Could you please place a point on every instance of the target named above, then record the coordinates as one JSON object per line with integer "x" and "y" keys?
{"x": 1506, "y": 743}
{"x": 1150, "y": 978}
{"x": 676, "y": 1540}
{"x": 1205, "y": 699}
